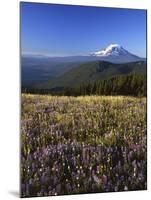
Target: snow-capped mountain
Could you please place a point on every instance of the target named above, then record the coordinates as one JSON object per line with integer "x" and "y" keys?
{"x": 115, "y": 53}
{"x": 111, "y": 50}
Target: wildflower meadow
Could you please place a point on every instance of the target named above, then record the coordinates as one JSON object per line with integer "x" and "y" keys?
{"x": 85, "y": 144}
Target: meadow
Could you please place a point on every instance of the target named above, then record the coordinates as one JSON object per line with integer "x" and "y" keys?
{"x": 85, "y": 144}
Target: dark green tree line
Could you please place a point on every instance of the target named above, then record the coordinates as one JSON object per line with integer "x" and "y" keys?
{"x": 134, "y": 85}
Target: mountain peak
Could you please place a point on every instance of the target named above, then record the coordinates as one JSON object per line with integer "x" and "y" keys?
{"x": 111, "y": 50}
{"x": 114, "y": 46}
{"x": 115, "y": 53}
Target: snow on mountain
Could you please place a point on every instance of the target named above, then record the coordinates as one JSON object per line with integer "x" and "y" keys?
{"x": 115, "y": 53}
{"x": 111, "y": 50}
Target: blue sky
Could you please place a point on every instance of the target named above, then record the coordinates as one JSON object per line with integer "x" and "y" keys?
{"x": 61, "y": 30}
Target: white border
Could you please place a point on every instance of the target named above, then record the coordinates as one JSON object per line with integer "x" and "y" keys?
{"x": 9, "y": 97}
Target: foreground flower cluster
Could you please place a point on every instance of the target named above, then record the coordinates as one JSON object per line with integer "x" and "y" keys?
{"x": 73, "y": 145}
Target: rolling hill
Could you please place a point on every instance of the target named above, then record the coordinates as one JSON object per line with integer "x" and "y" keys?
{"x": 92, "y": 72}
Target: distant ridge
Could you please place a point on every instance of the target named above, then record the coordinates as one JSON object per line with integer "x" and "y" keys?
{"x": 94, "y": 71}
